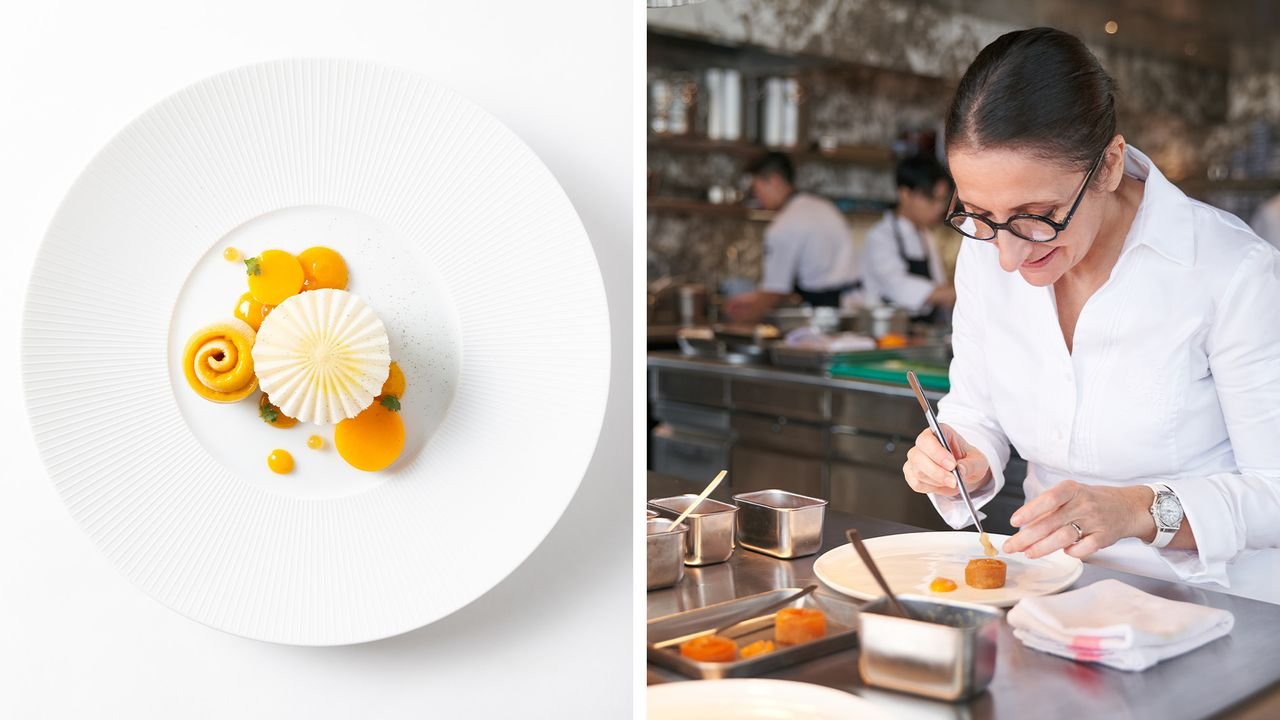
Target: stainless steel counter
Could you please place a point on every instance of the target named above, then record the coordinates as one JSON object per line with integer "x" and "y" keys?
{"x": 680, "y": 361}
{"x": 1237, "y": 676}
{"x": 804, "y": 431}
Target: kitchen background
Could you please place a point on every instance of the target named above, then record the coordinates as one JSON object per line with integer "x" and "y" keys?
{"x": 846, "y": 85}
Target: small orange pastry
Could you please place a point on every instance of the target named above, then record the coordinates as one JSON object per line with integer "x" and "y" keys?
{"x": 710, "y": 648}
{"x": 274, "y": 276}
{"x": 985, "y": 573}
{"x": 941, "y": 585}
{"x": 322, "y": 268}
{"x": 759, "y": 647}
{"x": 792, "y": 626}
{"x": 271, "y": 414}
{"x": 218, "y": 363}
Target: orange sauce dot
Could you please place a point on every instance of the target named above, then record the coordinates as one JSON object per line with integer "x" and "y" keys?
{"x": 315, "y": 442}
{"x": 231, "y": 255}
{"x": 942, "y": 585}
{"x": 280, "y": 461}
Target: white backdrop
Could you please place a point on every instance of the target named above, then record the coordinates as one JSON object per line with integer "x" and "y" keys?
{"x": 76, "y": 640}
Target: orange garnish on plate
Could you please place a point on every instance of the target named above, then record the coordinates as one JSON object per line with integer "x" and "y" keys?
{"x": 941, "y": 585}
{"x": 710, "y": 648}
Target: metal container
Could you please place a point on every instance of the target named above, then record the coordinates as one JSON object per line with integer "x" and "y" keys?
{"x": 710, "y": 538}
{"x": 780, "y": 523}
{"x": 650, "y": 514}
{"x": 692, "y": 304}
{"x": 746, "y": 343}
{"x": 947, "y": 651}
{"x": 699, "y": 342}
{"x": 665, "y": 553}
{"x": 841, "y": 615}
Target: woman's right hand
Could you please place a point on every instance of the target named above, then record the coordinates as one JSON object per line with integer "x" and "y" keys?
{"x": 929, "y": 465}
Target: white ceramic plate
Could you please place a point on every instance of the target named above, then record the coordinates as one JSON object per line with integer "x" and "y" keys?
{"x": 911, "y": 560}
{"x": 469, "y": 251}
{"x": 755, "y": 699}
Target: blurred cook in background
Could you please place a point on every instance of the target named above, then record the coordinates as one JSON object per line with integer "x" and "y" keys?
{"x": 807, "y": 247}
{"x": 900, "y": 263}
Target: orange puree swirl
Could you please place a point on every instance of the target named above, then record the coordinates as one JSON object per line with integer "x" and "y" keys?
{"x": 217, "y": 361}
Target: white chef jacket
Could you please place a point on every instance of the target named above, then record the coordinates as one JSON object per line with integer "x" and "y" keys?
{"x": 1266, "y": 221}
{"x": 808, "y": 243}
{"x": 1174, "y": 378}
{"x": 884, "y": 271}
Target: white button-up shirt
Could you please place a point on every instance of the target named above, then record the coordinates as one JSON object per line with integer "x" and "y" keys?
{"x": 884, "y": 267}
{"x": 808, "y": 244}
{"x": 1174, "y": 378}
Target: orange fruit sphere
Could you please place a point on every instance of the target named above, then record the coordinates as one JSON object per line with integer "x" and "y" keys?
{"x": 372, "y": 440}
{"x": 322, "y": 268}
{"x": 251, "y": 311}
{"x": 274, "y": 276}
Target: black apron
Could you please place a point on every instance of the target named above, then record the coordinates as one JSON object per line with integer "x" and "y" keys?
{"x": 919, "y": 268}
{"x": 825, "y": 298}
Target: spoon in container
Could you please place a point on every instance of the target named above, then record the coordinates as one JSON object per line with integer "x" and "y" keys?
{"x": 702, "y": 496}
{"x": 856, "y": 540}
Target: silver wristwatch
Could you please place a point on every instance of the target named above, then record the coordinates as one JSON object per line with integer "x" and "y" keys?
{"x": 1166, "y": 510}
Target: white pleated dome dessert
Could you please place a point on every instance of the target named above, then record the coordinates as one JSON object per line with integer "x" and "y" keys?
{"x": 322, "y": 356}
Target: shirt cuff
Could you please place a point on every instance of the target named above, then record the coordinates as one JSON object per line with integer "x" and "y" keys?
{"x": 1216, "y": 541}
{"x": 952, "y": 509}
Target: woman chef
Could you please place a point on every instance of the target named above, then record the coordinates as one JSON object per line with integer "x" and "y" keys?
{"x": 1122, "y": 336}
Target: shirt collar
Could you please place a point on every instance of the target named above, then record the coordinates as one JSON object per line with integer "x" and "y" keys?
{"x": 1164, "y": 222}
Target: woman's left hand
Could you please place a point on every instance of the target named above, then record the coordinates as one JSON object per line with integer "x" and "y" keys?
{"x": 1103, "y": 514}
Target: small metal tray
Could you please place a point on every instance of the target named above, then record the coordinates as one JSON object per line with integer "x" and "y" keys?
{"x": 841, "y": 614}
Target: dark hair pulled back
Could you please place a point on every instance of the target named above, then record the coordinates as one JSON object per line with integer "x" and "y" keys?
{"x": 1039, "y": 91}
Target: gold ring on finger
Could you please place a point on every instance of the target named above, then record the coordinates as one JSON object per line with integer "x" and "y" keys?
{"x": 1079, "y": 531}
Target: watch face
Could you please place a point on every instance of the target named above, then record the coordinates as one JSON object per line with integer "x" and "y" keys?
{"x": 1168, "y": 511}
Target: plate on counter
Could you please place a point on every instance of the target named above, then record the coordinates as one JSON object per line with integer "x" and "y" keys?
{"x": 464, "y": 245}
{"x": 911, "y": 560}
{"x": 756, "y": 699}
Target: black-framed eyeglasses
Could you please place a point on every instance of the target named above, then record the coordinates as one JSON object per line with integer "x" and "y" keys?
{"x": 1028, "y": 226}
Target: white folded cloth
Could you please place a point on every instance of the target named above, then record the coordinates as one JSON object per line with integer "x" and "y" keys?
{"x": 1115, "y": 624}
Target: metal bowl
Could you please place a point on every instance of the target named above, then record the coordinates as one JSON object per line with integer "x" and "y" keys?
{"x": 947, "y": 650}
